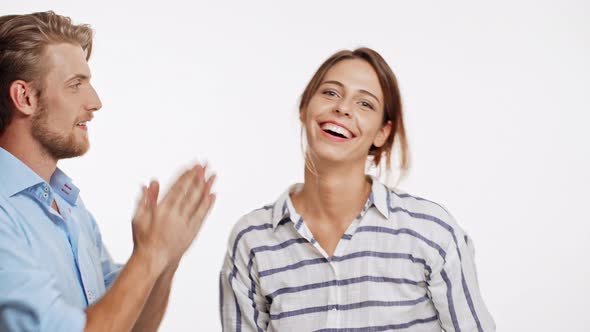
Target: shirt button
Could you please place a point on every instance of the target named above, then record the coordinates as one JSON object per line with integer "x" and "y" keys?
{"x": 45, "y": 195}
{"x": 46, "y": 188}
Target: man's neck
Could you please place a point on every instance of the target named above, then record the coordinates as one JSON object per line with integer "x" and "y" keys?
{"x": 30, "y": 153}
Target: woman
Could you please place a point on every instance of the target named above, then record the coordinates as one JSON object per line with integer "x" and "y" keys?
{"x": 343, "y": 252}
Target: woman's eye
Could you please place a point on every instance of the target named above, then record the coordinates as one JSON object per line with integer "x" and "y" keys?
{"x": 330, "y": 93}
{"x": 366, "y": 105}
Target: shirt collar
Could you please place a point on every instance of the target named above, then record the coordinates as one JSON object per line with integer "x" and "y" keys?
{"x": 17, "y": 177}
{"x": 379, "y": 197}
{"x": 281, "y": 210}
{"x": 62, "y": 184}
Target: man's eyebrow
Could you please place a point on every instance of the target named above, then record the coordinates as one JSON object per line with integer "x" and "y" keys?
{"x": 81, "y": 77}
{"x": 361, "y": 90}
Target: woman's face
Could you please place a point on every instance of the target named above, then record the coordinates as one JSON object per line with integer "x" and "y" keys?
{"x": 345, "y": 115}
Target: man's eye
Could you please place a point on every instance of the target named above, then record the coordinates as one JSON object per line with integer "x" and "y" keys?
{"x": 76, "y": 86}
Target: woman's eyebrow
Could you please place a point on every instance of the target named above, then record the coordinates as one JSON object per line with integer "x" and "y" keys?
{"x": 361, "y": 90}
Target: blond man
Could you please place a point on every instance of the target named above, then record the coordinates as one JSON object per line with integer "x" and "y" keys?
{"x": 55, "y": 272}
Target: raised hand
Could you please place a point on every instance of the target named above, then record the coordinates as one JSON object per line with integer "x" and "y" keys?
{"x": 164, "y": 231}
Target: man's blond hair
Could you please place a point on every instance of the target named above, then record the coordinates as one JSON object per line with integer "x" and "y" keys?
{"x": 23, "y": 41}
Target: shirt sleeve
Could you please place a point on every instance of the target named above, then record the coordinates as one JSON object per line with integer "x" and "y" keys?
{"x": 29, "y": 298}
{"x": 110, "y": 269}
{"x": 455, "y": 290}
{"x": 242, "y": 307}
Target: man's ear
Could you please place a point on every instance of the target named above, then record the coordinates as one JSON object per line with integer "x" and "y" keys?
{"x": 23, "y": 96}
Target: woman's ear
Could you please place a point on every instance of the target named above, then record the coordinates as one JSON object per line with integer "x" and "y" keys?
{"x": 382, "y": 135}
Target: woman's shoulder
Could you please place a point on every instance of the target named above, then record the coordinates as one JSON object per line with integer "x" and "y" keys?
{"x": 258, "y": 217}
{"x": 262, "y": 220}
{"x": 430, "y": 215}
{"x": 402, "y": 200}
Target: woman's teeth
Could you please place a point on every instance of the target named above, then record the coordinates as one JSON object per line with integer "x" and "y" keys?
{"x": 332, "y": 128}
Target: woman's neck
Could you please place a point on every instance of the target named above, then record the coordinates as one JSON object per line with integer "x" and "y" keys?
{"x": 333, "y": 194}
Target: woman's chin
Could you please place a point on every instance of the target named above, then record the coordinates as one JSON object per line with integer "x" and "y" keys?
{"x": 329, "y": 156}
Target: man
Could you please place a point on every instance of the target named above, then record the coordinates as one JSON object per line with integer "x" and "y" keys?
{"x": 55, "y": 272}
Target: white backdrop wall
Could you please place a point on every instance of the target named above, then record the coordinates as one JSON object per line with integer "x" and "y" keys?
{"x": 497, "y": 106}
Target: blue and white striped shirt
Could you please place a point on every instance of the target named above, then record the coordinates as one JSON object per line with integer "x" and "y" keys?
{"x": 403, "y": 264}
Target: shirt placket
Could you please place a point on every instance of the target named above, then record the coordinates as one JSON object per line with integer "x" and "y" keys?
{"x": 72, "y": 232}
{"x": 83, "y": 263}
{"x": 333, "y": 317}
{"x": 342, "y": 248}
{"x": 333, "y": 296}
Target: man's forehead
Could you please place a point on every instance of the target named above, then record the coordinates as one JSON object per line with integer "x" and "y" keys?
{"x": 65, "y": 61}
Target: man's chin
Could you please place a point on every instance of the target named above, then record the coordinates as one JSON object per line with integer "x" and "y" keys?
{"x": 80, "y": 150}
{"x": 69, "y": 151}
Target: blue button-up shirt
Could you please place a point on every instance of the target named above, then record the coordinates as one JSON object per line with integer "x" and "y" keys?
{"x": 52, "y": 265}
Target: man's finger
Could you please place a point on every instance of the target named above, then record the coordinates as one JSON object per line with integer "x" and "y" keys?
{"x": 178, "y": 189}
{"x": 201, "y": 213}
{"x": 152, "y": 194}
{"x": 194, "y": 193}
{"x": 203, "y": 192}
{"x": 141, "y": 203}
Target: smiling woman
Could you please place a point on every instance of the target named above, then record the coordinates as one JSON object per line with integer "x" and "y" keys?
{"x": 342, "y": 251}
{"x": 371, "y": 71}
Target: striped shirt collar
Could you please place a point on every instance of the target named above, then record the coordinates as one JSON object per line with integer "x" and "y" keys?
{"x": 283, "y": 210}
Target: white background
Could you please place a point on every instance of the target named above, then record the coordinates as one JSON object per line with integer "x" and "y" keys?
{"x": 496, "y": 97}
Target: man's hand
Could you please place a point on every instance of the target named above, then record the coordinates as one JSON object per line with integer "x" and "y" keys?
{"x": 162, "y": 232}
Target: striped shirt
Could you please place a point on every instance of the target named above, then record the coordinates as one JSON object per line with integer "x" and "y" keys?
{"x": 403, "y": 264}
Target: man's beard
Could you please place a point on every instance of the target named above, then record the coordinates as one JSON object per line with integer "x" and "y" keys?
{"x": 57, "y": 145}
